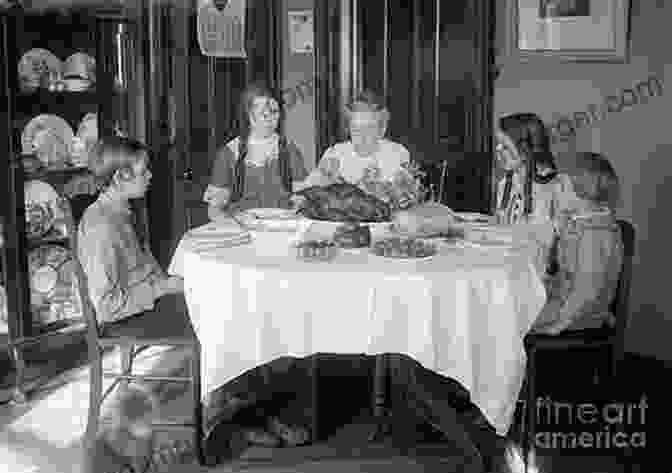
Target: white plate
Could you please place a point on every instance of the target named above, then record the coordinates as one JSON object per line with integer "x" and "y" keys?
{"x": 400, "y": 258}
{"x": 489, "y": 244}
{"x": 49, "y": 137}
{"x": 474, "y": 217}
{"x": 270, "y": 214}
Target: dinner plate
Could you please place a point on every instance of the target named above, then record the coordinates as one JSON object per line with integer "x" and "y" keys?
{"x": 270, "y": 214}
{"x": 49, "y": 137}
{"x": 404, "y": 259}
{"x": 488, "y": 244}
{"x": 474, "y": 217}
{"x": 36, "y": 66}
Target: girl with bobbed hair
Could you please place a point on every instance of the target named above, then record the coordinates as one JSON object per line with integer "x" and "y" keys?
{"x": 590, "y": 252}
{"x": 261, "y": 166}
{"x": 527, "y": 189}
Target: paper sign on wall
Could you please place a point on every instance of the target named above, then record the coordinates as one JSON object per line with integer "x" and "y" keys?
{"x": 221, "y": 31}
{"x": 301, "y": 31}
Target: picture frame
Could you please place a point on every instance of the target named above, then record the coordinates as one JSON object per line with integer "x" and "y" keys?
{"x": 568, "y": 30}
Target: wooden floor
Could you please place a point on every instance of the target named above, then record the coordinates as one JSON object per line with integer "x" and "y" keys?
{"x": 635, "y": 406}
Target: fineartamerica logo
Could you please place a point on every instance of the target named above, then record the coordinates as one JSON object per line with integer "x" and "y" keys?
{"x": 615, "y": 419}
{"x": 565, "y": 128}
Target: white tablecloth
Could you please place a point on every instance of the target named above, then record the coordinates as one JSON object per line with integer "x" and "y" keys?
{"x": 463, "y": 313}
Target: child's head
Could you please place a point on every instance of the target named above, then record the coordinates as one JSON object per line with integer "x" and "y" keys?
{"x": 367, "y": 118}
{"x": 260, "y": 110}
{"x": 595, "y": 180}
{"x": 519, "y": 136}
{"x": 122, "y": 164}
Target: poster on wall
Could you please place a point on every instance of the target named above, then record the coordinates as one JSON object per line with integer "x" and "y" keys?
{"x": 301, "y": 31}
{"x": 221, "y": 28}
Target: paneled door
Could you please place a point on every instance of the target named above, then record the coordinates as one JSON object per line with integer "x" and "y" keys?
{"x": 432, "y": 59}
{"x": 194, "y": 104}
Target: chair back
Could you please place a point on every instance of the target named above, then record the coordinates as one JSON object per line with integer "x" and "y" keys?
{"x": 620, "y": 306}
{"x": 86, "y": 305}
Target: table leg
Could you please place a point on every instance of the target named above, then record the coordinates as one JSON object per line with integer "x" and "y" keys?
{"x": 380, "y": 414}
{"x": 314, "y": 396}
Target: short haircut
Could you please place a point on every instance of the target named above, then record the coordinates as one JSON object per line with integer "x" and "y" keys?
{"x": 112, "y": 154}
{"x": 369, "y": 101}
{"x": 608, "y": 191}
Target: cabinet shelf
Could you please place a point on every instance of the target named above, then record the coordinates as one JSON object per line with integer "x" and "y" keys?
{"x": 51, "y": 238}
{"x": 57, "y": 173}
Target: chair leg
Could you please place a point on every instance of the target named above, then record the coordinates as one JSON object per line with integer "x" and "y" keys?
{"x": 198, "y": 405}
{"x": 18, "y": 396}
{"x": 530, "y": 411}
{"x": 95, "y": 400}
{"x": 379, "y": 398}
{"x": 126, "y": 355}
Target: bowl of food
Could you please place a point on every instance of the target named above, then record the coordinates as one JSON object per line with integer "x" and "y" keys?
{"x": 316, "y": 250}
{"x": 404, "y": 248}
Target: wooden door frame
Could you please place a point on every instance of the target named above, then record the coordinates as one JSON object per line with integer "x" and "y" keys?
{"x": 223, "y": 80}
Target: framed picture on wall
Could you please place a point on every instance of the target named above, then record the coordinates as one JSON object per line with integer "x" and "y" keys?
{"x": 568, "y": 30}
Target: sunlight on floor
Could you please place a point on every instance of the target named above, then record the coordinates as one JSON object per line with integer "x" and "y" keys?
{"x": 55, "y": 419}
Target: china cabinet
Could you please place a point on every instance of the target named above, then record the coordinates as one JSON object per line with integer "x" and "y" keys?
{"x": 66, "y": 81}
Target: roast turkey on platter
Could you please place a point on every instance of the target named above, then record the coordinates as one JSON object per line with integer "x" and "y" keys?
{"x": 342, "y": 202}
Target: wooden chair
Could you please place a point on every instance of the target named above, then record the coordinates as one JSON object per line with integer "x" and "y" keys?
{"x": 609, "y": 338}
{"x": 132, "y": 335}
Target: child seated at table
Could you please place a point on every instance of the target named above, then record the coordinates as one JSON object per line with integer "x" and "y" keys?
{"x": 123, "y": 276}
{"x": 260, "y": 167}
{"x": 522, "y": 139}
{"x": 590, "y": 253}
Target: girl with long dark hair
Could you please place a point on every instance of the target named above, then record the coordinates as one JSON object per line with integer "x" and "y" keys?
{"x": 258, "y": 168}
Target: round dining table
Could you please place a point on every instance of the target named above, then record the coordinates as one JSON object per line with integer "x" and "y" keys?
{"x": 462, "y": 312}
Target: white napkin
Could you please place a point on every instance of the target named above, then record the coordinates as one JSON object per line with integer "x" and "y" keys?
{"x": 219, "y": 234}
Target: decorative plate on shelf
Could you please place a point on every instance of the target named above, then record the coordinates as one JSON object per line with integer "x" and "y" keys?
{"x": 38, "y": 66}
{"x": 43, "y": 206}
{"x": 85, "y": 139}
{"x": 52, "y": 285}
{"x": 48, "y": 137}
{"x": 80, "y": 66}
